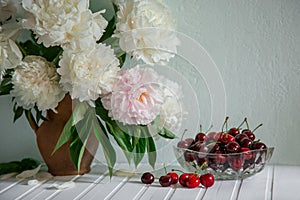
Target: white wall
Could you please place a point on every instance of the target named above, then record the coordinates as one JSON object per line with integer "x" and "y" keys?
{"x": 256, "y": 46}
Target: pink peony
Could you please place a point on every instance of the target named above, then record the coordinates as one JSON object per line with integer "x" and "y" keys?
{"x": 136, "y": 97}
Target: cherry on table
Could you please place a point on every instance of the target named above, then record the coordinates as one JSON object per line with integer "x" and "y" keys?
{"x": 183, "y": 178}
{"x": 207, "y": 180}
{"x": 165, "y": 181}
{"x": 193, "y": 181}
{"x": 147, "y": 178}
{"x": 174, "y": 177}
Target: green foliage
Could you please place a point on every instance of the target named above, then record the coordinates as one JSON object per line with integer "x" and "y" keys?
{"x": 5, "y": 85}
{"x": 18, "y": 166}
{"x": 31, "y": 47}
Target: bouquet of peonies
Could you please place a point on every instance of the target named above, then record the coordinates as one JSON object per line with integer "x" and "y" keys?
{"x": 52, "y": 48}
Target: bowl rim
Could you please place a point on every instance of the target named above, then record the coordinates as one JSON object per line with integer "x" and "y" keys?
{"x": 268, "y": 149}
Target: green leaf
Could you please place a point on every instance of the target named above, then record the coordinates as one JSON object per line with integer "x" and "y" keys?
{"x": 5, "y": 88}
{"x": 165, "y": 133}
{"x": 79, "y": 112}
{"x": 109, "y": 29}
{"x": 151, "y": 149}
{"x": 18, "y": 113}
{"x": 139, "y": 151}
{"x": 65, "y": 135}
{"x": 108, "y": 150}
{"x": 75, "y": 148}
{"x": 31, "y": 47}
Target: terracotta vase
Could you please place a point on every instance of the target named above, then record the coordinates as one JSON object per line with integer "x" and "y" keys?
{"x": 47, "y": 135}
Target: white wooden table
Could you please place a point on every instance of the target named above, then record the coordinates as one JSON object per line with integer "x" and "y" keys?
{"x": 274, "y": 182}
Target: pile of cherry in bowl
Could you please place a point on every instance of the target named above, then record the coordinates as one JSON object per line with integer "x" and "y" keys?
{"x": 229, "y": 154}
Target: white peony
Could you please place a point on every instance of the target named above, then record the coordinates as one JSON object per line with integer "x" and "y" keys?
{"x": 145, "y": 29}
{"x": 88, "y": 74}
{"x": 64, "y": 22}
{"x": 11, "y": 10}
{"x": 10, "y": 55}
{"x": 36, "y": 82}
{"x": 172, "y": 112}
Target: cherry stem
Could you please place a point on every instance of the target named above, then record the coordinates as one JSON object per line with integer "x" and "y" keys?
{"x": 257, "y": 127}
{"x": 165, "y": 168}
{"x": 177, "y": 170}
{"x": 211, "y": 126}
{"x": 200, "y": 168}
{"x": 242, "y": 123}
{"x": 200, "y": 128}
{"x": 246, "y": 122}
{"x": 225, "y": 123}
{"x": 185, "y": 130}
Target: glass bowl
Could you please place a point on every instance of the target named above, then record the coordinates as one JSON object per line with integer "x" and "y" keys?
{"x": 224, "y": 166}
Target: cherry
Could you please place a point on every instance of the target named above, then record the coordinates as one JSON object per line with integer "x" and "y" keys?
{"x": 211, "y": 135}
{"x": 207, "y": 180}
{"x": 233, "y": 147}
{"x": 189, "y": 140}
{"x": 245, "y": 142}
{"x": 165, "y": 181}
{"x": 183, "y": 178}
{"x": 147, "y": 178}
{"x": 249, "y": 133}
{"x": 226, "y": 138}
{"x": 239, "y": 137}
{"x": 236, "y": 163}
{"x": 201, "y": 137}
{"x": 234, "y": 131}
{"x": 246, "y": 153}
{"x": 193, "y": 181}
{"x": 174, "y": 177}
{"x": 259, "y": 146}
{"x": 188, "y": 156}
{"x": 183, "y": 144}
{"x": 200, "y": 147}
{"x": 219, "y": 158}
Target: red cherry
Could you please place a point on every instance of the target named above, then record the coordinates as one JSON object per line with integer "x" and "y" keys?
{"x": 245, "y": 142}
{"x": 226, "y": 138}
{"x": 246, "y": 153}
{"x": 183, "y": 178}
{"x": 183, "y": 144}
{"x": 219, "y": 158}
{"x": 147, "y": 178}
{"x": 259, "y": 146}
{"x": 165, "y": 181}
{"x": 189, "y": 140}
{"x": 233, "y": 147}
{"x": 207, "y": 180}
{"x": 193, "y": 181}
{"x": 201, "y": 137}
{"x": 241, "y": 136}
{"x": 174, "y": 177}
{"x": 189, "y": 156}
{"x": 234, "y": 131}
{"x": 249, "y": 133}
{"x": 211, "y": 135}
{"x": 236, "y": 163}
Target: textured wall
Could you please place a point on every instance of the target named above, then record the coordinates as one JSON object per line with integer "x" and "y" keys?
{"x": 256, "y": 46}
